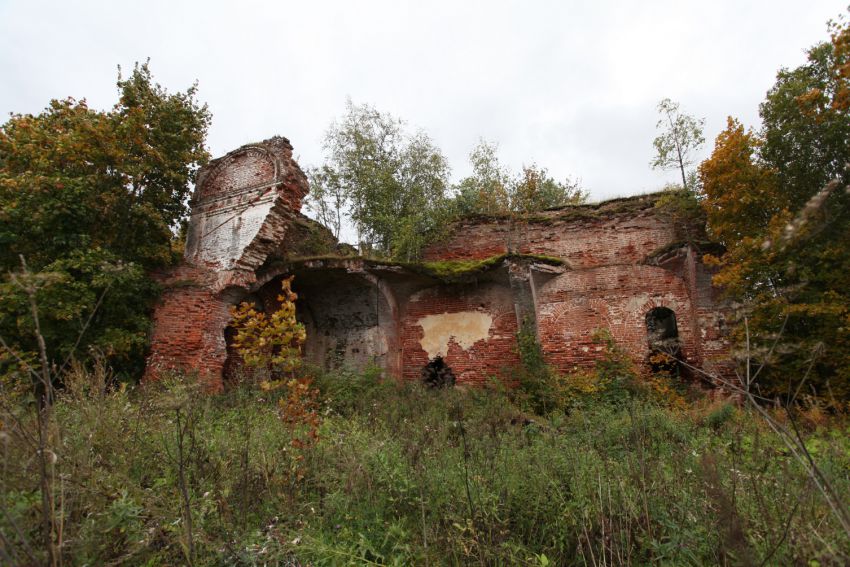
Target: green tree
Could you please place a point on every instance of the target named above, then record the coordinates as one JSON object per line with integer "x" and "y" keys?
{"x": 779, "y": 202}
{"x": 393, "y": 182}
{"x": 487, "y": 190}
{"x": 535, "y": 190}
{"x": 92, "y": 200}
{"x": 806, "y": 138}
{"x": 681, "y": 137}
{"x": 492, "y": 190}
{"x": 327, "y": 198}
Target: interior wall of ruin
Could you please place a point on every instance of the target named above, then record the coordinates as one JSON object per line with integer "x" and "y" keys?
{"x": 348, "y": 319}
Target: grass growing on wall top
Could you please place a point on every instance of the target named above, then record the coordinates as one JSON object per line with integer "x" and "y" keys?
{"x": 448, "y": 271}
{"x": 457, "y": 269}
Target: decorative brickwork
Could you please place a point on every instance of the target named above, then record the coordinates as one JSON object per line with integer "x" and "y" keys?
{"x": 243, "y": 205}
{"x": 620, "y": 260}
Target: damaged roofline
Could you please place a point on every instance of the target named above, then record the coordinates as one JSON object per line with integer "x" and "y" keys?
{"x": 446, "y": 271}
{"x": 600, "y": 209}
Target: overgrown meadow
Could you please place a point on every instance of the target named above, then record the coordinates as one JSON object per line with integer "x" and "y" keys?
{"x": 623, "y": 473}
{"x": 608, "y": 466}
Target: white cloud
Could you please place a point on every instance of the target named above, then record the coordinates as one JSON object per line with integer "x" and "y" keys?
{"x": 570, "y": 85}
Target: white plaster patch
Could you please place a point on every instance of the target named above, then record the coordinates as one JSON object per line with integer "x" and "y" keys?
{"x": 636, "y": 302}
{"x": 465, "y": 327}
{"x": 228, "y": 234}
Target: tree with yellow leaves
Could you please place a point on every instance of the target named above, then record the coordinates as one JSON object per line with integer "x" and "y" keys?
{"x": 272, "y": 344}
{"x": 779, "y": 200}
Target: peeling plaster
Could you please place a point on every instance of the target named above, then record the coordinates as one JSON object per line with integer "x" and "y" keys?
{"x": 227, "y": 235}
{"x": 465, "y": 327}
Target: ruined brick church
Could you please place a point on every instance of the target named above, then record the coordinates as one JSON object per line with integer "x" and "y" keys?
{"x": 619, "y": 265}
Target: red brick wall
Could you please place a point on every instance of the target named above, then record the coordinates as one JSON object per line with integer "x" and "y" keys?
{"x": 574, "y": 305}
{"x": 607, "y": 283}
{"x": 472, "y": 239}
{"x": 711, "y": 321}
{"x": 240, "y": 171}
{"x": 188, "y": 328}
{"x": 254, "y": 165}
{"x": 581, "y": 243}
{"x": 484, "y": 359}
{"x": 571, "y": 307}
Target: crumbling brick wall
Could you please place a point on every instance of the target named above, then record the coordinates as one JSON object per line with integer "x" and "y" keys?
{"x": 188, "y": 327}
{"x": 612, "y": 279}
{"x": 471, "y": 326}
{"x": 242, "y": 207}
{"x": 621, "y": 259}
{"x": 614, "y": 232}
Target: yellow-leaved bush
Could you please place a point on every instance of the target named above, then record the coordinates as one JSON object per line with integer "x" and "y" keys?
{"x": 271, "y": 343}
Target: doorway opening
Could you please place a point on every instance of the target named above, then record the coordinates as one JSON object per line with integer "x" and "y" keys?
{"x": 662, "y": 334}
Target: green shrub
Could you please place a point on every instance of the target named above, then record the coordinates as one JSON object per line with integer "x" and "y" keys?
{"x": 720, "y": 416}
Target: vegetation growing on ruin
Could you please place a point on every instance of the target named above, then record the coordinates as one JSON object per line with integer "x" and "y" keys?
{"x": 306, "y": 237}
{"x": 680, "y": 138}
{"x": 447, "y": 271}
{"x": 401, "y": 475}
{"x": 455, "y": 270}
{"x": 683, "y": 210}
{"x": 492, "y": 190}
{"x": 575, "y": 211}
{"x": 92, "y": 202}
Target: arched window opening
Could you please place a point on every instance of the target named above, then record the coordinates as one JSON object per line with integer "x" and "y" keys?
{"x": 663, "y": 336}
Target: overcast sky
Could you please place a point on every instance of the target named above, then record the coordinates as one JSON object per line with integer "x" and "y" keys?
{"x": 570, "y": 85}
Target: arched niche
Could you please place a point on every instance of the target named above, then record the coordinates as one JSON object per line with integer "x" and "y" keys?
{"x": 347, "y": 316}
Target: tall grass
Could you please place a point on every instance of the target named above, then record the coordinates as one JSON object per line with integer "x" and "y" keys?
{"x": 402, "y": 475}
